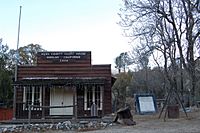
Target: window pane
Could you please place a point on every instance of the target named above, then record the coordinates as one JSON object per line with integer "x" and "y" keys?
{"x": 97, "y": 95}
{"x": 28, "y": 96}
{"x": 93, "y": 94}
{"x": 37, "y": 96}
{"x": 89, "y": 96}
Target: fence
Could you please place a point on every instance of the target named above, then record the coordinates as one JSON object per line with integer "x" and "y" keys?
{"x": 6, "y": 113}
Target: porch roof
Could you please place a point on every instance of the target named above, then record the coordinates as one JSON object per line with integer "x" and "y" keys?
{"x": 60, "y": 81}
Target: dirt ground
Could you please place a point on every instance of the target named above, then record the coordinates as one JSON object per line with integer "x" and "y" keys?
{"x": 151, "y": 124}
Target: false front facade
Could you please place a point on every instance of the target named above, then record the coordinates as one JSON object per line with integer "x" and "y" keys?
{"x": 62, "y": 85}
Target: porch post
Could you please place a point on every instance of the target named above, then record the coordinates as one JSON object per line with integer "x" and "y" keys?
{"x": 14, "y": 103}
{"x": 75, "y": 102}
{"x": 29, "y": 114}
{"x": 103, "y": 89}
{"x": 43, "y": 101}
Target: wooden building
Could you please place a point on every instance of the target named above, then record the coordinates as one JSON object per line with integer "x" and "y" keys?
{"x": 61, "y": 79}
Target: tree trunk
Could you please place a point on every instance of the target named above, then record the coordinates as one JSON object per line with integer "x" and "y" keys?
{"x": 124, "y": 117}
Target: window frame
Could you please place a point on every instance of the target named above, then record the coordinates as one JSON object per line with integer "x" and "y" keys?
{"x": 33, "y": 96}
{"x": 94, "y": 97}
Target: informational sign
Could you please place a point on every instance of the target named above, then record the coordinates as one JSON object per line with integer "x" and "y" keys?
{"x": 65, "y": 57}
{"x": 146, "y": 104}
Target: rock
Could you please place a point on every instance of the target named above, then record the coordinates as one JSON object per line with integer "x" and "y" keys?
{"x": 11, "y": 129}
{"x": 14, "y": 126}
{"x": 52, "y": 126}
{"x": 58, "y": 126}
{"x": 84, "y": 122}
{"x": 103, "y": 124}
{"x": 67, "y": 125}
{"x": 5, "y": 130}
{"x": 64, "y": 126}
{"x": 74, "y": 126}
{"x": 38, "y": 129}
{"x": 79, "y": 128}
{"x": 90, "y": 124}
{"x": 67, "y": 122}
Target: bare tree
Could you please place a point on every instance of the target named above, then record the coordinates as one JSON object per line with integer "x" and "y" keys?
{"x": 169, "y": 26}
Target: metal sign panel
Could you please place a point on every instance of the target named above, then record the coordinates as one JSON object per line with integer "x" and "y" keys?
{"x": 146, "y": 104}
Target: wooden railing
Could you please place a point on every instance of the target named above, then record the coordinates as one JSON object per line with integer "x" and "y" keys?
{"x": 36, "y": 106}
{"x": 37, "y": 111}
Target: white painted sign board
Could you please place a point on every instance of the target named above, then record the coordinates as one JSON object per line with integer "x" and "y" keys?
{"x": 145, "y": 104}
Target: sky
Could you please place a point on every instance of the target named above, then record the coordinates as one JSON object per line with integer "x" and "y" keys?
{"x": 65, "y": 25}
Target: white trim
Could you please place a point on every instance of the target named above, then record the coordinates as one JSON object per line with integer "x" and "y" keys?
{"x": 93, "y": 94}
{"x": 33, "y": 92}
{"x": 93, "y": 97}
{"x": 101, "y": 97}
{"x": 90, "y": 89}
{"x": 41, "y": 95}
{"x": 85, "y": 98}
{"x": 32, "y": 88}
{"x": 24, "y": 97}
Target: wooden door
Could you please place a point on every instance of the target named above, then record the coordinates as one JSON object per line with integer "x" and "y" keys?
{"x": 61, "y": 97}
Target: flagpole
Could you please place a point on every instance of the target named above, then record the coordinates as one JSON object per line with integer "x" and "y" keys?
{"x": 16, "y": 67}
{"x": 17, "y": 56}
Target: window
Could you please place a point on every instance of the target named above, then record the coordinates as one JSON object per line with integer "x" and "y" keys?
{"x": 93, "y": 94}
{"x": 32, "y": 96}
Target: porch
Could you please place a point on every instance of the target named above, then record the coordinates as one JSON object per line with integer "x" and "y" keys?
{"x": 59, "y": 98}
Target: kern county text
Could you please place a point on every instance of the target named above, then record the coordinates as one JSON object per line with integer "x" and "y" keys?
{"x": 64, "y": 56}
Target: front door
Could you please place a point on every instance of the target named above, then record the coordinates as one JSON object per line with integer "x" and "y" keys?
{"x": 61, "y": 97}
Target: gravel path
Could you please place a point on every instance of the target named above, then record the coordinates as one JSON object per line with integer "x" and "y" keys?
{"x": 156, "y": 127}
{"x": 151, "y": 124}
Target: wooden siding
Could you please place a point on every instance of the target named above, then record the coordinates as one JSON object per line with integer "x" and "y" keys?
{"x": 63, "y": 70}
{"x": 107, "y": 97}
{"x": 80, "y": 102}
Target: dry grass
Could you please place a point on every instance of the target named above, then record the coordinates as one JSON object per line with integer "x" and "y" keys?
{"x": 152, "y": 124}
